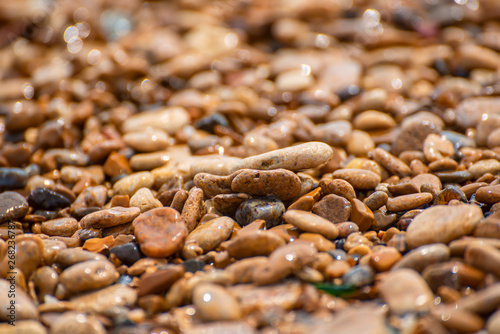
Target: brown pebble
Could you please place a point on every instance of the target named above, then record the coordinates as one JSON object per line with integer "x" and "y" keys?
{"x": 338, "y": 187}
{"x": 334, "y": 208}
{"x": 109, "y": 217}
{"x": 281, "y": 183}
{"x": 390, "y": 162}
{"x": 193, "y": 208}
{"x": 361, "y": 215}
{"x": 64, "y": 227}
{"x": 358, "y": 178}
{"x": 408, "y": 202}
{"x": 488, "y": 194}
{"x": 161, "y": 232}
{"x": 346, "y": 228}
{"x": 306, "y": 202}
{"x": 160, "y": 280}
{"x": 89, "y": 275}
{"x": 310, "y": 222}
{"x": 376, "y": 200}
{"x": 258, "y": 243}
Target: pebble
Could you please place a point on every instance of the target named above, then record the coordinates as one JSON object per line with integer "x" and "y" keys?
{"x": 220, "y": 165}
{"x": 161, "y": 232}
{"x": 376, "y": 200}
{"x": 449, "y": 194}
{"x": 105, "y": 299}
{"x": 46, "y": 199}
{"x": 13, "y": 206}
{"x": 147, "y": 141}
{"x": 193, "y": 208}
{"x": 23, "y": 326}
{"x": 268, "y": 209}
{"x": 488, "y": 194}
{"x": 294, "y": 158}
{"x": 70, "y": 256}
{"x": 149, "y": 161}
{"x": 382, "y": 260}
{"x": 334, "y": 208}
{"x": 390, "y": 162}
{"x": 89, "y": 275}
{"x": 470, "y": 110}
{"x": 280, "y": 183}
{"x": 144, "y": 200}
{"x": 484, "y": 166}
{"x": 207, "y": 236}
{"x": 454, "y": 274}
{"x": 110, "y": 217}
{"x": 24, "y": 307}
{"x": 168, "y": 119}
{"x": 360, "y": 144}
{"x": 309, "y": 222}
{"x": 320, "y": 242}
{"x": 414, "y": 130}
{"x": 13, "y": 178}
{"x": 64, "y": 227}
{"x": 131, "y": 183}
{"x": 489, "y": 227}
{"x": 406, "y": 291}
{"x": 419, "y": 258}
{"x": 227, "y": 204}
{"x": 128, "y": 253}
{"x": 408, "y": 202}
{"x": 28, "y": 255}
{"x": 483, "y": 257}
{"x": 437, "y": 147}
{"x": 338, "y": 187}
{"x": 256, "y": 243}
{"x": 358, "y": 178}
{"x": 373, "y": 120}
{"x": 359, "y": 276}
{"x": 75, "y": 323}
{"x": 493, "y": 324}
{"x": 214, "y": 303}
{"x": 347, "y": 228}
{"x": 455, "y": 319}
{"x": 446, "y": 224}
{"x": 336, "y": 133}
{"x": 45, "y": 280}
{"x": 160, "y": 280}
{"x": 213, "y": 185}
{"x": 361, "y": 215}
{"x": 116, "y": 164}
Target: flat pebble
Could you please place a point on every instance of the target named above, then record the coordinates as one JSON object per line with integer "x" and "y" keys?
{"x": 214, "y": 303}
{"x": 359, "y": 276}
{"x": 161, "y": 232}
{"x": 281, "y": 183}
{"x": 470, "y": 110}
{"x": 131, "y": 183}
{"x": 213, "y": 185}
{"x": 46, "y": 199}
{"x": 257, "y": 243}
{"x": 89, "y": 275}
{"x": 443, "y": 224}
{"x": 483, "y": 257}
{"x": 159, "y": 281}
{"x": 169, "y": 119}
{"x": 405, "y": 291}
{"x": 454, "y": 274}
{"x": 13, "y": 178}
{"x": 109, "y": 217}
{"x": 338, "y": 187}
{"x": 376, "y": 200}
{"x": 64, "y": 227}
{"x": 384, "y": 258}
{"x": 488, "y": 194}
{"x": 74, "y": 323}
{"x": 105, "y": 299}
{"x": 23, "y": 326}
{"x": 408, "y": 202}
{"x": 358, "y": 178}
{"x": 484, "y": 166}
{"x": 207, "y": 236}
{"x": 294, "y": 158}
{"x": 390, "y": 162}
{"x": 268, "y": 209}
{"x": 310, "y": 222}
{"x": 419, "y": 258}
{"x": 147, "y": 141}
{"x": 334, "y": 208}
{"x": 336, "y": 133}
{"x": 13, "y": 206}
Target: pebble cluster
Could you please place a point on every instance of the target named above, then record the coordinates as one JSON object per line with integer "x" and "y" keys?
{"x": 196, "y": 166}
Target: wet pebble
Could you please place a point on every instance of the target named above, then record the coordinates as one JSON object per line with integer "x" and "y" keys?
{"x": 359, "y": 276}
{"x": 207, "y": 236}
{"x": 24, "y": 306}
{"x": 46, "y": 199}
{"x": 419, "y": 258}
{"x": 131, "y": 183}
{"x": 128, "y": 253}
{"x": 144, "y": 200}
{"x": 64, "y": 227}
{"x": 89, "y": 275}
{"x": 109, "y": 217}
{"x": 104, "y": 299}
{"x": 488, "y": 194}
{"x": 161, "y": 232}
{"x": 214, "y": 303}
{"x": 281, "y": 183}
{"x": 408, "y": 202}
{"x": 358, "y": 178}
{"x": 13, "y": 178}
{"x": 269, "y": 209}
{"x": 13, "y": 206}
{"x": 72, "y": 322}
{"x": 310, "y": 222}
{"x": 256, "y": 243}
{"x": 334, "y": 208}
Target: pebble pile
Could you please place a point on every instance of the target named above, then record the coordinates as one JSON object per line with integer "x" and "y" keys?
{"x": 195, "y": 166}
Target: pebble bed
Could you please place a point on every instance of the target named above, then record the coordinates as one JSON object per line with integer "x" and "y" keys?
{"x": 195, "y": 166}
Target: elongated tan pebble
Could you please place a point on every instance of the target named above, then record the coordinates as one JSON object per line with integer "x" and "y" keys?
{"x": 309, "y": 222}
{"x": 294, "y": 158}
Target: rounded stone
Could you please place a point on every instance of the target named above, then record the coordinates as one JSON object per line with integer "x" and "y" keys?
{"x": 131, "y": 183}
{"x": 46, "y": 199}
{"x": 13, "y": 206}
{"x": 63, "y": 227}
{"x": 161, "y": 232}
{"x": 214, "y": 303}
{"x": 109, "y": 217}
{"x": 309, "y": 222}
{"x": 419, "y": 258}
{"x": 89, "y": 275}
{"x": 24, "y": 307}
{"x": 443, "y": 223}
{"x": 77, "y": 323}
{"x": 358, "y": 178}
{"x": 334, "y": 208}
{"x": 268, "y": 209}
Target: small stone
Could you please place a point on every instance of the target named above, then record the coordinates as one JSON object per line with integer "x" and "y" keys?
{"x": 443, "y": 224}
{"x": 213, "y": 185}
{"x": 455, "y": 274}
{"x": 207, "y": 236}
{"x": 391, "y": 163}
{"x": 70, "y": 256}
{"x": 336, "y": 133}
{"x": 144, "y": 200}
{"x": 13, "y": 178}
{"x": 168, "y": 119}
{"x": 193, "y": 208}
{"x": 64, "y": 227}
{"x": 46, "y": 199}
{"x": 470, "y": 110}
{"x": 160, "y": 280}
{"x": 89, "y": 275}
{"x": 347, "y": 228}
{"x": 104, "y": 299}
{"x": 294, "y": 80}
{"x": 214, "y": 303}
{"x": 13, "y": 206}
{"x": 98, "y": 245}
{"x": 116, "y": 164}
{"x": 359, "y": 276}
{"x": 406, "y": 291}
{"x": 384, "y": 259}
{"x": 408, "y": 202}
{"x": 109, "y": 217}
{"x": 483, "y": 257}
{"x": 376, "y": 200}
{"x": 45, "y": 280}
{"x": 24, "y": 307}
{"x": 23, "y": 326}
{"x": 484, "y": 166}
{"x": 310, "y": 222}
{"x": 294, "y": 158}
{"x": 128, "y": 253}
{"x": 338, "y": 187}
{"x": 489, "y": 228}
{"x": 334, "y": 208}
{"x": 488, "y": 194}
{"x": 361, "y": 215}
{"x": 151, "y": 140}
{"x": 360, "y": 144}
{"x": 227, "y": 204}
{"x": 358, "y": 178}
{"x": 373, "y": 120}
{"x": 419, "y": 258}
{"x": 280, "y": 183}
{"x": 28, "y": 256}
{"x": 131, "y": 183}
{"x": 268, "y": 209}
{"x": 457, "y": 320}
{"x": 161, "y": 232}
{"x": 256, "y": 243}
{"x": 73, "y": 322}
{"x": 320, "y": 242}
